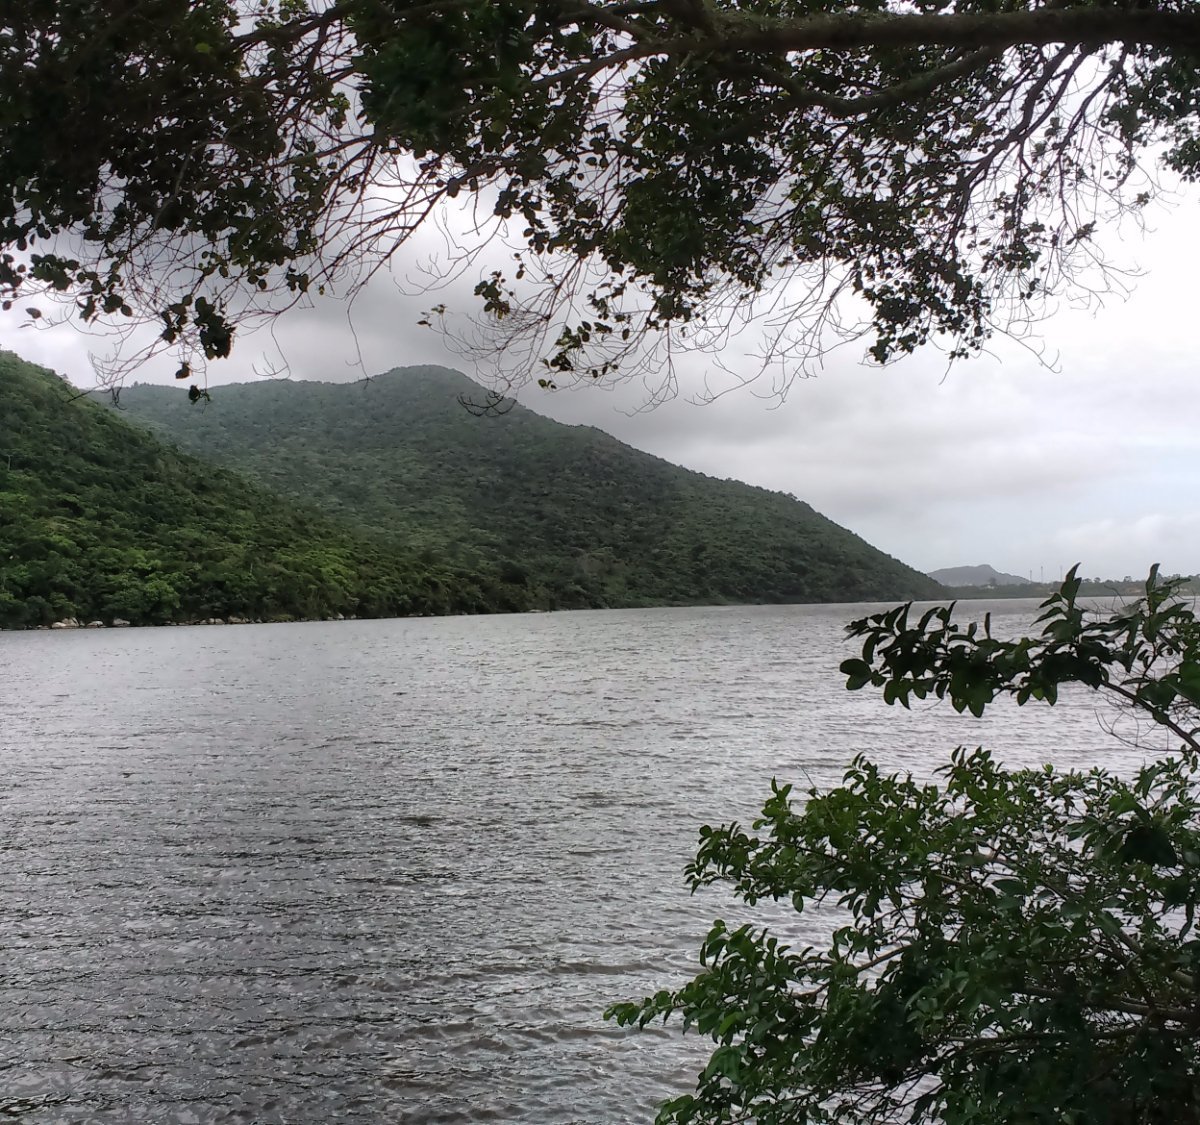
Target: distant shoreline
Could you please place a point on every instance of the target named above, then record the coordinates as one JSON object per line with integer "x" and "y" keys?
{"x": 1121, "y": 589}
{"x": 1035, "y": 592}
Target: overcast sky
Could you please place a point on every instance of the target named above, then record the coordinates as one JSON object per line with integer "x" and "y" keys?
{"x": 1000, "y": 460}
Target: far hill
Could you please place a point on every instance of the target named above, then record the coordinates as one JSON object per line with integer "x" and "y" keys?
{"x": 100, "y": 520}
{"x": 982, "y": 575}
{"x": 568, "y": 511}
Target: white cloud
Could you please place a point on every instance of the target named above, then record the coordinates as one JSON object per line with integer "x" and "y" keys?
{"x": 1172, "y": 538}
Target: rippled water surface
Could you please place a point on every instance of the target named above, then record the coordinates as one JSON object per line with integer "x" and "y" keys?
{"x": 395, "y": 870}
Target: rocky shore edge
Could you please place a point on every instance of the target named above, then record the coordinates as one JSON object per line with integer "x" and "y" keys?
{"x": 121, "y": 623}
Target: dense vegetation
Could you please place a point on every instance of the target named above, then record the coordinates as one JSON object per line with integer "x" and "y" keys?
{"x": 1014, "y": 947}
{"x": 661, "y": 170}
{"x": 568, "y": 512}
{"x": 99, "y": 520}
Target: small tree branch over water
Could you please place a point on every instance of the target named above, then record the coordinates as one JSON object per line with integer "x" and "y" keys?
{"x": 661, "y": 171}
{"x": 1017, "y": 946}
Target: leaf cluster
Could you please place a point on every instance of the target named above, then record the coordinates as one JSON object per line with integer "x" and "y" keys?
{"x": 657, "y": 167}
{"x": 1005, "y": 945}
{"x": 155, "y": 161}
{"x": 1147, "y": 654}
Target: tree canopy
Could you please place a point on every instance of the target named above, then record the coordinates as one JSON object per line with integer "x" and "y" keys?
{"x": 660, "y": 169}
{"x": 1005, "y": 946}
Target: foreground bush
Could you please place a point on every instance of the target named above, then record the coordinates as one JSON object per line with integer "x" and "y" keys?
{"x": 1012, "y": 945}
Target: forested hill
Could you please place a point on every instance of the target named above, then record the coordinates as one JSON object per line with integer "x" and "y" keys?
{"x": 567, "y": 510}
{"x": 981, "y": 575}
{"x": 99, "y": 520}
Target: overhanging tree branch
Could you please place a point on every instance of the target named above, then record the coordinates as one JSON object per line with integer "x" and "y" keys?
{"x": 666, "y": 171}
{"x": 1085, "y": 25}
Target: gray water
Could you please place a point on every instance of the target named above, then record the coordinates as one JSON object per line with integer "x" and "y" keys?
{"x": 393, "y": 871}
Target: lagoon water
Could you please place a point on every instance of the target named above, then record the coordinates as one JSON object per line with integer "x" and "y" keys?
{"x": 395, "y": 870}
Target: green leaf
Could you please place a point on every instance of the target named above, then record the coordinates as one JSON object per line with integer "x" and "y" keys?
{"x": 1148, "y": 843}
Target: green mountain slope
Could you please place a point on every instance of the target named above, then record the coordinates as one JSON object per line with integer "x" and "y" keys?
{"x": 99, "y": 520}
{"x": 568, "y": 511}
